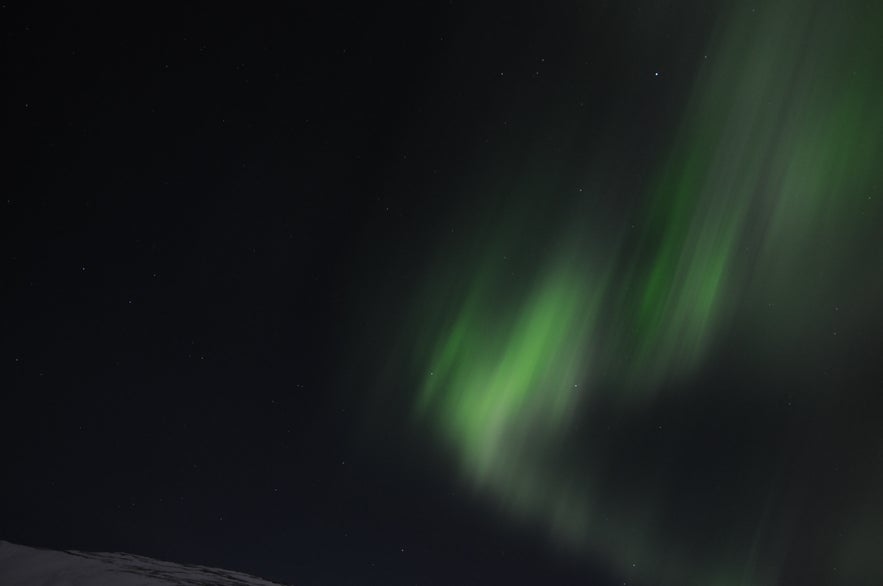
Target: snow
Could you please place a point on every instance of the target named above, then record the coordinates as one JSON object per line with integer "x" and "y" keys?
{"x": 28, "y": 566}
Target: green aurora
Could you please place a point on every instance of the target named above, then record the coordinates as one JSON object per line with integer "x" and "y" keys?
{"x": 766, "y": 205}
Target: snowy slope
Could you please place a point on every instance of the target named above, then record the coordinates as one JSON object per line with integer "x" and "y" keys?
{"x": 27, "y": 566}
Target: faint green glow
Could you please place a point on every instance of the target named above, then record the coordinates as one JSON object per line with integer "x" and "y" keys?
{"x": 513, "y": 381}
{"x": 769, "y": 181}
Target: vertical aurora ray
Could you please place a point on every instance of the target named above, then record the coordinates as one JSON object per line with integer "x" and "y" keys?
{"x": 772, "y": 179}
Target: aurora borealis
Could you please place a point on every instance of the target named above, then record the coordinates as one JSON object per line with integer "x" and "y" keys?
{"x": 761, "y": 219}
{"x": 566, "y": 293}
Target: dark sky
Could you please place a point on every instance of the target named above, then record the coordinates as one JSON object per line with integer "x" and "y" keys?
{"x": 220, "y": 223}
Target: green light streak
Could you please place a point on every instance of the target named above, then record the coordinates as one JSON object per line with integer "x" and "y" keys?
{"x": 501, "y": 384}
{"x": 770, "y": 179}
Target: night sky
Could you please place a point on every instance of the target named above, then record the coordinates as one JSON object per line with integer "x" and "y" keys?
{"x": 448, "y": 292}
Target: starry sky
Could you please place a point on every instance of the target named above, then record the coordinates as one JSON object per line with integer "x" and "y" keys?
{"x": 448, "y": 292}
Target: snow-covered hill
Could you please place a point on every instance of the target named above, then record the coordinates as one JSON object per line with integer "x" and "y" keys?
{"x": 28, "y": 566}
